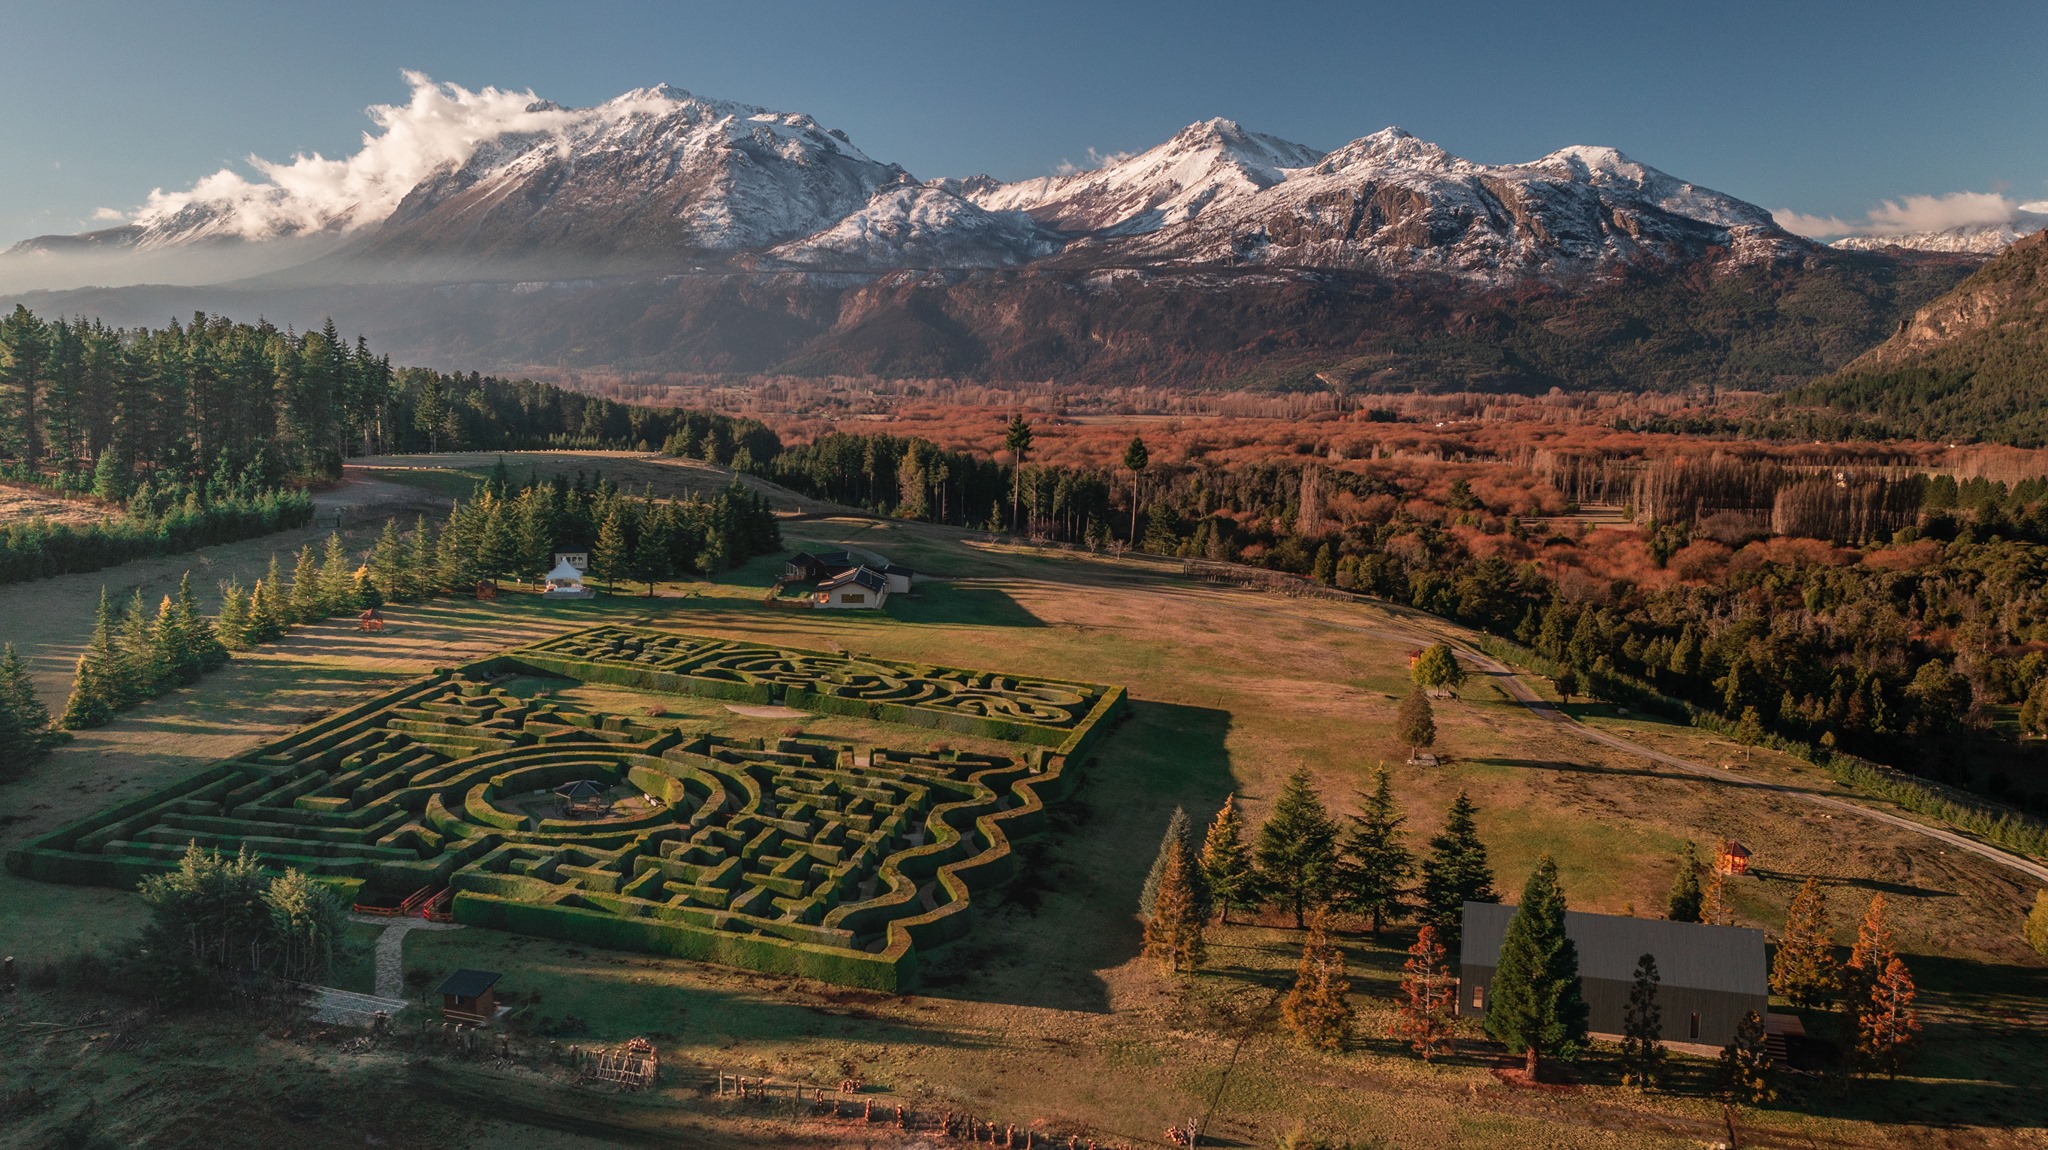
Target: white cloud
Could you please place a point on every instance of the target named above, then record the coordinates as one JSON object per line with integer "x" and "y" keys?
{"x": 1909, "y": 216}
{"x": 109, "y": 215}
{"x": 440, "y": 126}
{"x": 1096, "y": 159}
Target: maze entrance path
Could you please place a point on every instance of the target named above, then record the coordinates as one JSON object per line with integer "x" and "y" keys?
{"x": 792, "y": 855}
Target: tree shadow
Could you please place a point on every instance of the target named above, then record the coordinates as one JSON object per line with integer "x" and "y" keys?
{"x": 982, "y": 606}
{"x": 1861, "y": 883}
{"x": 1073, "y": 913}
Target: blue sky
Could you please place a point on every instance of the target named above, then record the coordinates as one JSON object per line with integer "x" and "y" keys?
{"x": 1823, "y": 108}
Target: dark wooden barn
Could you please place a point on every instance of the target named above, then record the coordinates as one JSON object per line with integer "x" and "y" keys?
{"x": 1710, "y": 976}
{"x": 806, "y": 567}
{"x": 469, "y": 997}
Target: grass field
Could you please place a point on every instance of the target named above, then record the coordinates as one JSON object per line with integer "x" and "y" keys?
{"x": 1046, "y": 1013}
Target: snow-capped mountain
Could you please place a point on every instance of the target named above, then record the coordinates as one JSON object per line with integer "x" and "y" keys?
{"x": 1390, "y": 202}
{"x": 1975, "y": 239}
{"x": 654, "y": 173}
{"x": 659, "y": 179}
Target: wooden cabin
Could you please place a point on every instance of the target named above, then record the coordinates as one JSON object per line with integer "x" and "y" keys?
{"x": 1732, "y": 858}
{"x": 469, "y": 997}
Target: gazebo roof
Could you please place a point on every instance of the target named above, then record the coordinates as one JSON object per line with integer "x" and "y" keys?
{"x": 469, "y": 983}
{"x": 564, "y": 573}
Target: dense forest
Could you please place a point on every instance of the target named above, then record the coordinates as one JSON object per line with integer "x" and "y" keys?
{"x": 208, "y": 432}
{"x": 1973, "y": 365}
{"x": 172, "y": 403}
{"x": 1913, "y": 608}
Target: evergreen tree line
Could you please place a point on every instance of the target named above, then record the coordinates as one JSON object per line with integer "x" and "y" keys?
{"x": 166, "y": 402}
{"x": 163, "y": 518}
{"x": 512, "y": 530}
{"x": 136, "y": 654}
{"x": 1305, "y": 861}
{"x": 892, "y": 475}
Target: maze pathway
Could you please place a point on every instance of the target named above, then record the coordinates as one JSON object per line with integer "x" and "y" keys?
{"x": 789, "y": 855}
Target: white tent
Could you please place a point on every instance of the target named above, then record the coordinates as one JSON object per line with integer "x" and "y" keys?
{"x": 565, "y": 582}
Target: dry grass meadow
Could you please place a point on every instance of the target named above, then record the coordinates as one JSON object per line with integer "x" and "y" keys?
{"x": 1045, "y": 1015}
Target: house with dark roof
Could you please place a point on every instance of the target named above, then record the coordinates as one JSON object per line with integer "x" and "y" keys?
{"x": 861, "y": 587}
{"x": 1710, "y": 976}
{"x": 806, "y": 567}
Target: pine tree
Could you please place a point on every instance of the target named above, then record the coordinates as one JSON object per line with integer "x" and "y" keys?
{"x": 1373, "y": 872}
{"x": 1455, "y": 873}
{"x": 1017, "y": 441}
{"x": 1136, "y": 459}
{"x": 96, "y": 690}
{"x": 1714, "y": 908}
{"x": 308, "y": 926}
{"x": 1415, "y": 723}
{"x": 1868, "y": 958}
{"x": 1887, "y": 1025}
{"x": 301, "y": 604}
{"x": 611, "y": 556}
{"x": 337, "y": 579}
{"x": 1173, "y": 935}
{"x": 25, "y": 735}
{"x": 1686, "y": 896}
{"x": 173, "y": 647}
{"x": 1536, "y": 1005}
{"x": 1424, "y": 1013}
{"x": 1642, "y": 1029}
{"x": 142, "y": 655}
{"x": 201, "y": 638}
{"x": 266, "y": 614}
{"x": 1747, "y": 1072}
{"x": 387, "y": 563}
{"x": 1297, "y": 848}
{"x": 231, "y": 623}
{"x": 1318, "y": 1008}
{"x": 1227, "y": 860}
{"x": 1180, "y": 832}
{"x": 1803, "y": 970}
{"x": 422, "y": 569}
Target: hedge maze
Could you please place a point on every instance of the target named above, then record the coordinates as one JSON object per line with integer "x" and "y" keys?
{"x": 798, "y": 856}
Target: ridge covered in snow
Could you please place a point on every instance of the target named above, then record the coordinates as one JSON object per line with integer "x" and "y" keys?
{"x": 661, "y": 177}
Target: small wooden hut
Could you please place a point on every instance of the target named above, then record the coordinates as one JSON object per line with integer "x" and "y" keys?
{"x": 469, "y": 997}
{"x": 1732, "y": 858}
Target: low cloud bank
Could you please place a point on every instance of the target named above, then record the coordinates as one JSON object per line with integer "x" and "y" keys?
{"x": 1913, "y": 215}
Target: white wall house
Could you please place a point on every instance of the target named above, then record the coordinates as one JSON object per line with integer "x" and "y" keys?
{"x": 860, "y": 587}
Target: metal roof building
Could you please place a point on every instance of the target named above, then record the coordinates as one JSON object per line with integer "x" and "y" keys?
{"x": 1709, "y": 976}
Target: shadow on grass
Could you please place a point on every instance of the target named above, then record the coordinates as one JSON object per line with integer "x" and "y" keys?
{"x": 1869, "y": 884}
{"x": 979, "y": 606}
{"x": 1073, "y": 914}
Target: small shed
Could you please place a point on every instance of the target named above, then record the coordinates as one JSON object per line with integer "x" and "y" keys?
{"x": 860, "y": 587}
{"x": 899, "y": 577}
{"x": 565, "y": 582}
{"x": 1711, "y": 976}
{"x": 1732, "y": 858}
{"x": 469, "y": 997}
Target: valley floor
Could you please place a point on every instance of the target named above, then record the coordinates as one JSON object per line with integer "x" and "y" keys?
{"x": 1045, "y": 1016}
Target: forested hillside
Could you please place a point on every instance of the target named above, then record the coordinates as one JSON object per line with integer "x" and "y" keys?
{"x": 1971, "y": 365}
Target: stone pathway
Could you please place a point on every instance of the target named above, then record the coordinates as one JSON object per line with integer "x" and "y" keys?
{"x": 347, "y": 1008}
{"x": 391, "y": 949}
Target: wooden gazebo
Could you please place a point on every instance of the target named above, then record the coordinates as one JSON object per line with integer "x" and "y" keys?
{"x": 1732, "y": 858}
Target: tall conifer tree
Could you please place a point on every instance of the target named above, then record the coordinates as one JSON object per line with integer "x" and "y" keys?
{"x": 1455, "y": 873}
{"x": 1803, "y": 970}
{"x": 1297, "y": 848}
{"x": 1642, "y": 1028}
{"x": 1318, "y": 1007}
{"x": 1686, "y": 896}
{"x": 1536, "y": 1005}
{"x": 1227, "y": 860}
{"x": 1373, "y": 874}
